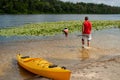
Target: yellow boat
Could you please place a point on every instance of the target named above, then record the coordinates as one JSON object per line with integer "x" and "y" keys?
{"x": 43, "y": 68}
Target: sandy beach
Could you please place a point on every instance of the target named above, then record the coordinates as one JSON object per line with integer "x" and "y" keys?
{"x": 99, "y": 62}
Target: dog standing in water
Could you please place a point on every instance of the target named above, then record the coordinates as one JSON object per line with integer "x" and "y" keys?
{"x": 65, "y": 32}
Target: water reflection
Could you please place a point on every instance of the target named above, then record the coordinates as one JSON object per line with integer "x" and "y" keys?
{"x": 24, "y": 73}
{"x": 84, "y": 53}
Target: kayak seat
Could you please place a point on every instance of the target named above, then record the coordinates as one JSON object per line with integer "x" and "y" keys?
{"x": 25, "y": 57}
{"x": 63, "y": 67}
{"x": 52, "y": 66}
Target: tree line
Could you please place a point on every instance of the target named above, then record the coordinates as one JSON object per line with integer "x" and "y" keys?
{"x": 54, "y": 7}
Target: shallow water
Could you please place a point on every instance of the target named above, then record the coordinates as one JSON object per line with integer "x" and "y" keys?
{"x": 57, "y": 49}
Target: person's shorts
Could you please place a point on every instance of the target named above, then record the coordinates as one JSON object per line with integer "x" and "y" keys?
{"x": 87, "y": 36}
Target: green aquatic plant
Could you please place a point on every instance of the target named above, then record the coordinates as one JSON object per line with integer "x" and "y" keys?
{"x": 52, "y": 28}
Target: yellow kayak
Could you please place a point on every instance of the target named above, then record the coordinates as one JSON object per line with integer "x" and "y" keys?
{"x": 43, "y": 68}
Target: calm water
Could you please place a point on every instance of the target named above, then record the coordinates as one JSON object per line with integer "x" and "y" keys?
{"x": 16, "y": 20}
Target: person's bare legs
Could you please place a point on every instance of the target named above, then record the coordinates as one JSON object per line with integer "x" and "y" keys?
{"x": 88, "y": 43}
{"x": 83, "y": 43}
{"x": 66, "y": 34}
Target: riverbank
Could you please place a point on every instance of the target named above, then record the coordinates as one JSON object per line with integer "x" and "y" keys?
{"x": 85, "y": 64}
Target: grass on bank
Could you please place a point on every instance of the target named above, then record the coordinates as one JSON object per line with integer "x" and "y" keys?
{"x": 52, "y": 28}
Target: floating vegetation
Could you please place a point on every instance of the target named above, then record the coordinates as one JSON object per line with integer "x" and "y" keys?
{"x": 52, "y": 28}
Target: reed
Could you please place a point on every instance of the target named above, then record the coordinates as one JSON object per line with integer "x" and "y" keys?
{"x": 52, "y": 28}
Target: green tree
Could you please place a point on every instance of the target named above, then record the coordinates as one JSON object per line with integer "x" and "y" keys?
{"x": 54, "y": 6}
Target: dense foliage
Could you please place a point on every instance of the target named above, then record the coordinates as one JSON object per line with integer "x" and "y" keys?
{"x": 52, "y": 28}
{"x": 54, "y": 7}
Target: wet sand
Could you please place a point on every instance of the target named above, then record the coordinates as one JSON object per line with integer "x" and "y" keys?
{"x": 99, "y": 62}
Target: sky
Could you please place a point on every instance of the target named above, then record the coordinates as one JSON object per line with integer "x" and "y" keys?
{"x": 107, "y": 2}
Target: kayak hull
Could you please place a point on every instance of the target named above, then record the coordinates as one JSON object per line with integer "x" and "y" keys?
{"x": 42, "y": 67}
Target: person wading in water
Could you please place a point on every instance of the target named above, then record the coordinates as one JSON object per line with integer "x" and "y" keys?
{"x": 86, "y": 32}
{"x": 65, "y": 32}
